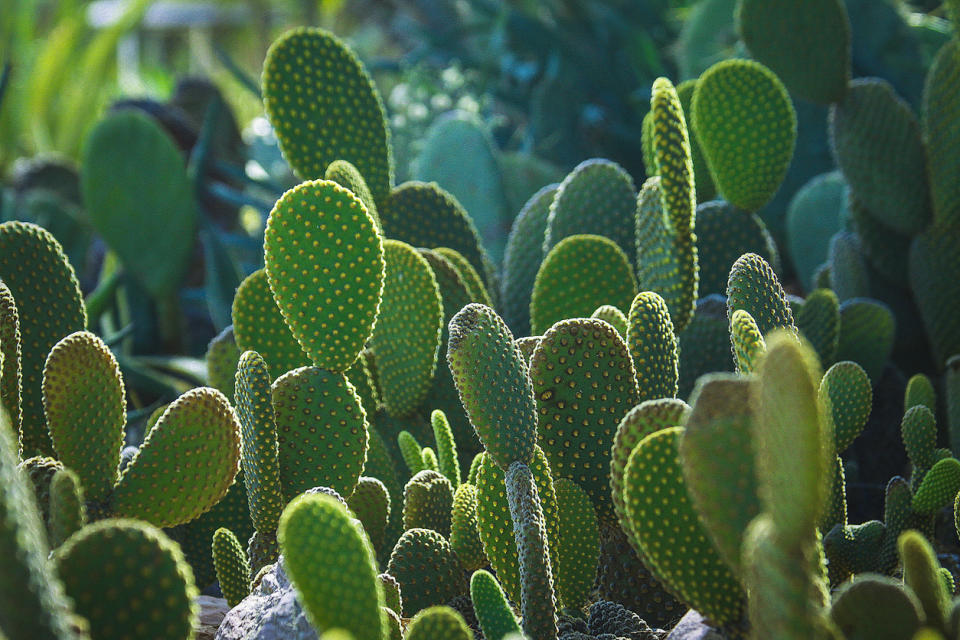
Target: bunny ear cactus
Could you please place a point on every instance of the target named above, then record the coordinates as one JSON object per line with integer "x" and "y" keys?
{"x": 490, "y": 603}
{"x": 38, "y": 276}
{"x": 867, "y": 330}
{"x": 438, "y": 623}
{"x": 934, "y": 272}
{"x": 849, "y": 277}
{"x": 818, "y": 320}
{"x": 151, "y": 568}
{"x": 332, "y": 566}
{"x": 427, "y": 569}
{"x": 446, "y": 448}
{"x": 704, "y": 345}
{"x": 348, "y": 176}
{"x": 748, "y": 343}
{"x": 847, "y": 397}
{"x": 67, "y": 511}
{"x": 724, "y": 233}
{"x": 370, "y": 503}
{"x": 325, "y": 265}
{"x": 411, "y": 451}
{"x": 653, "y": 346}
{"x": 233, "y": 570}
{"x": 921, "y": 575}
{"x": 464, "y": 535}
{"x": 755, "y": 288}
{"x": 919, "y": 391}
{"x": 10, "y": 372}
{"x": 343, "y": 117}
{"x": 468, "y": 275}
{"x": 612, "y": 316}
{"x": 876, "y": 608}
{"x": 940, "y": 112}
{"x": 428, "y": 502}
{"x": 579, "y": 554}
{"x": 222, "y": 358}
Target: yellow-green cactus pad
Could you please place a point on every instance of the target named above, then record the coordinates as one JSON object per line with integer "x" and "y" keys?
{"x": 438, "y": 623}
{"x": 877, "y": 142}
{"x": 938, "y": 488}
{"x": 805, "y": 42}
{"x": 50, "y": 305}
{"x": 747, "y": 128}
{"x": 921, "y": 574}
{"x": 718, "y": 462}
{"x": 324, "y": 107}
{"x": 468, "y": 275}
{"x": 464, "y": 537}
{"x": 876, "y": 608}
{"x": 846, "y": 394}
{"x": 10, "y": 373}
{"x": 118, "y": 571}
{"x": 491, "y": 376}
{"x": 332, "y": 567}
{"x": 258, "y": 432}
{"x": 259, "y": 326}
{"x": 818, "y": 320}
{"x": 867, "y": 329}
{"x": 407, "y": 335}
{"x": 598, "y": 197}
{"x": 919, "y": 391}
{"x": 581, "y": 273}
{"x": 653, "y": 346}
{"x": 584, "y": 383}
{"x": 941, "y": 111}
{"x": 321, "y": 431}
{"x": 411, "y": 451}
{"x": 725, "y": 233}
{"x": 675, "y": 545}
{"x": 671, "y": 144}
{"x": 427, "y": 569}
{"x": 325, "y": 264}
{"x": 233, "y": 570}
{"x": 935, "y": 282}
{"x": 348, "y": 176}
{"x": 747, "y": 341}
{"x": 85, "y": 405}
{"x": 579, "y": 545}
{"x": 448, "y": 462}
{"x": 221, "y": 359}
{"x": 754, "y": 287}
{"x": 68, "y": 513}
{"x": 370, "y": 503}
{"x": 494, "y": 614}
{"x": 612, "y": 316}
{"x": 428, "y": 502}
{"x": 186, "y": 464}
{"x": 706, "y": 190}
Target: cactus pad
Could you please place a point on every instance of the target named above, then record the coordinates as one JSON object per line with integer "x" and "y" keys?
{"x": 490, "y": 604}
{"x": 579, "y": 554}
{"x": 221, "y": 358}
{"x": 725, "y": 233}
{"x": 464, "y": 537}
{"x": 940, "y": 112}
{"x": 866, "y": 335}
{"x": 233, "y": 570}
{"x": 653, "y": 346}
{"x": 819, "y": 322}
{"x": 935, "y": 281}
{"x": 427, "y": 569}
{"x": 846, "y": 394}
{"x": 428, "y": 502}
{"x": 754, "y": 287}
{"x": 748, "y": 343}
{"x": 348, "y": 176}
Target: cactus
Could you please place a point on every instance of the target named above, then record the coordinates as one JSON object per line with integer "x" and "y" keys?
{"x": 464, "y": 535}
{"x": 468, "y": 274}
{"x": 704, "y": 344}
{"x": 849, "y": 277}
{"x": 937, "y": 488}
{"x": 748, "y": 343}
{"x": 807, "y": 44}
{"x": 580, "y": 273}
{"x": 370, "y": 503}
{"x": 919, "y": 391}
{"x": 10, "y": 356}
{"x": 920, "y": 574}
{"x": 653, "y": 346}
{"x": 612, "y": 316}
{"x": 438, "y": 623}
{"x": 493, "y": 611}
{"x": 50, "y": 306}
{"x": 233, "y": 570}
{"x": 735, "y": 99}
{"x": 151, "y": 568}
{"x": 345, "y": 117}
{"x": 938, "y": 117}
{"x": 446, "y": 448}
{"x": 40, "y": 470}
{"x": 598, "y": 197}
{"x": 222, "y": 358}
{"x": 68, "y": 514}
{"x": 816, "y": 212}
{"x": 934, "y": 272}
{"x": 412, "y": 452}
{"x": 754, "y": 287}
{"x": 331, "y": 565}
{"x": 818, "y": 320}
{"x": 427, "y": 569}
{"x": 348, "y": 176}
{"x": 876, "y": 607}
{"x": 325, "y": 266}
{"x": 725, "y": 233}
{"x": 886, "y": 251}
{"x": 427, "y": 502}
{"x": 576, "y": 570}
{"x": 866, "y": 335}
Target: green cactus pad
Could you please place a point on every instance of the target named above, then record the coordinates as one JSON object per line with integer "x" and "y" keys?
{"x": 407, "y": 335}
{"x": 348, "y": 176}
{"x": 938, "y": 488}
{"x": 725, "y": 233}
{"x": 490, "y": 604}
{"x": 491, "y": 377}
{"x": 464, "y": 537}
{"x": 325, "y": 107}
{"x": 185, "y": 465}
{"x": 321, "y": 431}
{"x": 718, "y": 462}
{"x": 747, "y": 128}
{"x": 117, "y": 571}
{"x": 935, "y": 281}
{"x": 876, "y": 608}
{"x": 612, "y": 316}
{"x": 40, "y": 470}
{"x": 427, "y": 569}
{"x": 940, "y": 112}
{"x": 446, "y": 448}
{"x": 885, "y": 250}
{"x": 221, "y": 358}
{"x": 581, "y": 273}
{"x": 818, "y": 320}
{"x": 522, "y": 259}
{"x": 866, "y": 335}
{"x": 653, "y": 346}
{"x": 85, "y": 405}
{"x": 50, "y": 307}
{"x": 258, "y": 432}
{"x": 68, "y": 514}
{"x": 579, "y": 544}
{"x": 919, "y": 391}
{"x": 921, "y": 574}
{"x": 576, "y": 429}
{"x": 704, "y": 344}
{"x": 849, "y": 277}
{"x": 816, "y": 212}
{"x": 259, "y": 326}
{"x": 233, "y": 570}
{"x": 675, "y": 545}
{"x": 468, "y": 275}
{"x": 391, "y": 593}
{"x": 806, "y": 43}
{"x": 748, "y": 343}
{"x": 325, "y": 264}
{"x": 671, "y": 145}
{"x": 846, "y": 394}
{"x": 598, "y": 197}
{"x": 877, "y": 142}
{"x": 424, "y": 215}
{"x": 140, "y": 199}
{"x": 360, "y": 376}
{"x": 438, "y": 623}
{"x": 411, "y": 451}
{"x": 331, "y": 564}
{"x": 428, "y": 502}
{"x": 10, "y": 356}
{"x": 754, "y": 287}
{"x": 897, "y": 516}
{"x": 706, "y": 190}
{"x": 370, "y": 502}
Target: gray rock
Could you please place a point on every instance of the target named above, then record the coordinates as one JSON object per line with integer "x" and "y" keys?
{"x": 270, "y": 612}
{"x": 693, "y": 627}
{"x": 212, "y": 612}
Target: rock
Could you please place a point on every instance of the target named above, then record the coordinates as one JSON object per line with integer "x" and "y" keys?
{"x": 270, "y": 612}
{"x": 212, "y": 611}
{"x": 693, "y": 627}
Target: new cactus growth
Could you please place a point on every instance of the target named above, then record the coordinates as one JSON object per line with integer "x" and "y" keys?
{"x": 233, "y": 570}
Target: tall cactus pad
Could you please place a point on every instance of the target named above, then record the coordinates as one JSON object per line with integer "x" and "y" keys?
{"x": 438, "y": 623}
{"x": 428, "y": 502}
{"x": 718, "y": 462}
{"x": 10, "y": 372}
{"x": 653, "y": 347}
{"x": 920, "y": 391}
{"x": 671, "y": 144}
{"x": 597, "y": 197}
{"x": 522, "y": 259}
{"x": 819, "y": 322}
{"x": 806, "y": 43}
{"x": 921, "y": 573}
{"x": 867, "y": 330}
{"x": 50, "y": 305}
{"x": 325, "y": 264}
{"x": 186, "y": 464}
{"x": 258, "y": 432}
{"x": 877, "y": 143}
{"x": 748, "y": 343}
{"x": 941, "y": 109}
{"x": 325, "y": 107}
{"x": 490, "y": 604}
{"x": 407, "y": 336}
{"x": 816, "y": 212}
{"x": 725, "y": 233}
{"x": 935, "y": 281}
{"x": 704, "y": 344}
{"x": 849, "y": 277}
{"x": 754, "y": 287}
{"x": 491, "y": 377}
{"x": 83, "y": 398}
{"x": 846, "y": 394}
{"x": 537, "y": 598}
{"x": 575, "y": 428}
{"x": 68, "y": 513}
{"x": 446, "y": 447}
{"x": 321, "y": 431}
{"x": 464, "y": 537}
{"x": 747, "y": 128}
{"x": 259, "y": 326}
{"x": 332, "y": 566}
{"x": 222, "y": 357}
{"x": 427, "y": 569}
{"x": 348, "y": 176}
{"x": 581, "y": 273}
{"x": 468, "y": 274}
{"x": 674, "y": 543}
{"x": 370, "y": 502}
{"x": 233, "y": 570}
{"x": 126, "y": 566}
{"x": 706, "y": 190}
{"x": 576, "y": 571}
{"x": 411, "y": 451}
